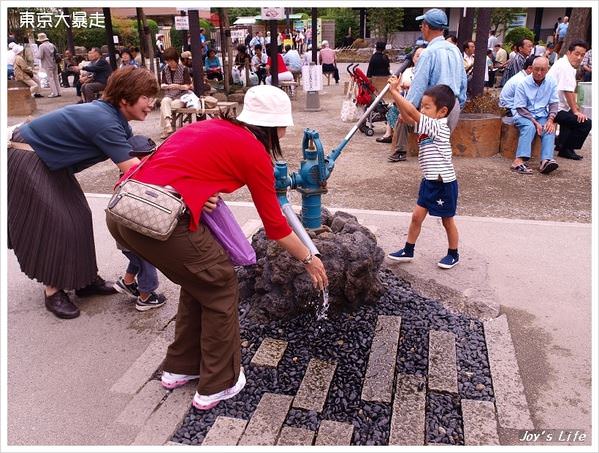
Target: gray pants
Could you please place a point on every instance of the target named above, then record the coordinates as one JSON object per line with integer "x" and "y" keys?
{"x": 88, "y": 90}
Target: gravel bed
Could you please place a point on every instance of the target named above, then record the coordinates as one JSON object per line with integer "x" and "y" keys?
{"x": 346, "y": 338}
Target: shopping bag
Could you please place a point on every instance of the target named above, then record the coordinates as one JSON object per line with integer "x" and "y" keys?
{"x": 225, "y": 229}
{"x": 350, "y": 111}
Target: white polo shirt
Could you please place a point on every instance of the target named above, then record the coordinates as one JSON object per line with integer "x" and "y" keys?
{"x": 565, "y": 76}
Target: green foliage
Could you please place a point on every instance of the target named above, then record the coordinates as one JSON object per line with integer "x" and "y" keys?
{"x": 516, "y": 34}
{"x": 385, "y": 21}
{"x": 503, "y": 17}
{"x": 345, "y": 18}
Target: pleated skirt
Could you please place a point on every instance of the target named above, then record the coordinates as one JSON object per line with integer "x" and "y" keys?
{"x": 49, "y": 223}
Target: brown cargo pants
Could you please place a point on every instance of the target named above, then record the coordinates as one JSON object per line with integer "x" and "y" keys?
{"x": 207, "y": 324}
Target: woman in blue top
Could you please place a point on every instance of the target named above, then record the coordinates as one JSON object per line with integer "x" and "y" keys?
{"x": 49, "y": 220}
{"x": 212, "y": 66}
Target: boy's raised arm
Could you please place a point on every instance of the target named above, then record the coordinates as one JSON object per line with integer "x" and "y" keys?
{"x": 409, "y": 113}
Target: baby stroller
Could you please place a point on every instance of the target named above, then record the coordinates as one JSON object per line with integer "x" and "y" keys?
{"x": 366, "y": 93}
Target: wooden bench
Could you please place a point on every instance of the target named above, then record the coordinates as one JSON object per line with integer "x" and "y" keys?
{"x": 183, "y": 115}
{"x": 289, "y": 88}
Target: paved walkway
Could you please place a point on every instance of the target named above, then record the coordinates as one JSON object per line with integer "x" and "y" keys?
{"x": 85, "y": 381}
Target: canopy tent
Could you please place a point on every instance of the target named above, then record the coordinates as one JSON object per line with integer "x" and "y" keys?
{"x": 251, "y": 20}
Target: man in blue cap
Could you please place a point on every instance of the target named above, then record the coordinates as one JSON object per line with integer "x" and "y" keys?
{"x": 440, "y": 63}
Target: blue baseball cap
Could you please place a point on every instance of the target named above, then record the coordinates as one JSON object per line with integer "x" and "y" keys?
{"x": 141, "y": 145}
{"x": 435, "y": 17}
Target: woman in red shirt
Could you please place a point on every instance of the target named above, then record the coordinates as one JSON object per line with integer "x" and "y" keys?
{"x": 283, "y": 73}
{"x": 199, "y": 161}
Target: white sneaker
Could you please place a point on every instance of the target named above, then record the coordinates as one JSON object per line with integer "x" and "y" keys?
{"x": 172, "y": 380}
{"x": 205, "y": 402}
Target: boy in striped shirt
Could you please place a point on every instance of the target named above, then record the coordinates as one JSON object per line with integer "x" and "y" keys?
{"x": 438, "y": 194}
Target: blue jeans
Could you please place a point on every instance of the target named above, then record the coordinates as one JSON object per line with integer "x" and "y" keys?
{"x": 527, "y": 134}
{"x": 147, "y": 275}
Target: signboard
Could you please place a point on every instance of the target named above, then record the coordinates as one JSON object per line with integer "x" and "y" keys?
{"x": 181, "y": 23}
{"x": 238, "y": 34}
{"x": 312, "y": 77}
{"x": 115, "y": 39}
{"x": 299, "y": 25}
{"x": 268, "y": 13}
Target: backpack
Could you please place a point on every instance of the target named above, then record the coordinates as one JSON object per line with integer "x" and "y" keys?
{"x": 56, "y": 55}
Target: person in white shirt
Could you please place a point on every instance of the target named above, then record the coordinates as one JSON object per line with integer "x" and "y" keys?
{"x": 492, "y": 40}
{"x": 574, "y": 125}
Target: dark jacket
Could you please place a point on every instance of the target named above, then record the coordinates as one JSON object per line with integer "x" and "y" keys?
{"x": 378, "y": 65}
{"x": 101, "y": 69}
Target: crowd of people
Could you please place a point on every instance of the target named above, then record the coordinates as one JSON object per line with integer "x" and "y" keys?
{"x": 538, "y": 89}
{"x": 206, "y": 158}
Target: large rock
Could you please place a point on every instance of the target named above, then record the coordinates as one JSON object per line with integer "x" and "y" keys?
{"x": 278, "y": 286}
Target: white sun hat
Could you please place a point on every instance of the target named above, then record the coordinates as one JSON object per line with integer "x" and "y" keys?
{"x": 266, "y": 105}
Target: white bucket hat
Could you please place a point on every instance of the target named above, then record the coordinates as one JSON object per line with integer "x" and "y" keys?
{"x": 17, "y": 49}
{"x": 266, "y": 105}
{"x": 41, "y": 37}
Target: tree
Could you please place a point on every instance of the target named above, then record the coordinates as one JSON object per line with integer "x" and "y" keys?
{"x": 503, "y": 17}
{"x": 483, "y": 23}
{"x": 580, "y": 23}
{"x": 516, "y": 34}
{"x": 385, "y": 21}
{"x": 345, "y": 19}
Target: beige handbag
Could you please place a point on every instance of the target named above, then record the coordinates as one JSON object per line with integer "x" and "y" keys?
{"x": 150, "y": 210}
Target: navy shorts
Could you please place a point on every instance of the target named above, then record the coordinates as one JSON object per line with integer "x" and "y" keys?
{"x": 440, "y": 198}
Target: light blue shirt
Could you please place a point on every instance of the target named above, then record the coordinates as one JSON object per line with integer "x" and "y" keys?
{"x": 536, "y": 98}
{"x": 506, "y": 97}
{"x": 440, "y": 63}
{"x": 292, "y": 60}
{"x": 562, "y": 29}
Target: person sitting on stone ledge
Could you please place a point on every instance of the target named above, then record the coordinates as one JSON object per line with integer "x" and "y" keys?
{"x": 506, "y": 97}
{"x": 536, "y": 104}
{"x": 574, "y": 126}
{"x": 24, "y": 72}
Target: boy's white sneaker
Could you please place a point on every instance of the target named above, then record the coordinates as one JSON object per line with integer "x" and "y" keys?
{"x": 205, "y": 402}
{"x": 172, "y": 380}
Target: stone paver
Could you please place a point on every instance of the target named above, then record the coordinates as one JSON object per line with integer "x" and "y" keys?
{"x": 225, "y": 431}
{"x": 267, "y": 420}
{"x": 480, "y": 423}
{"x": 167, "y": 418}
{"x": 269, "y": 353}
{"x": 250, "y": 227}
{"x": 314, "y": 388}
{"x": 510, "y": 400}
{"x": 409, "y": 403}
{"x": 295, "y": 436}
{"x": 442, "y": 367}
{"x": 334, "y": 433}
{"x": 142, "y": 404}
{"x": 378, "y": 384}
{"x": 142, "y": 369}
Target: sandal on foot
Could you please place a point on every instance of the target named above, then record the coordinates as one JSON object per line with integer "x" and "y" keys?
{"x": 522, "y": 169}
{"x": 547, "y": 166}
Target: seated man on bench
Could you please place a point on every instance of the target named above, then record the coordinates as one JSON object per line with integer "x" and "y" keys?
{"x": 536, "y": 104}
{"x": 101, "y": 70}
